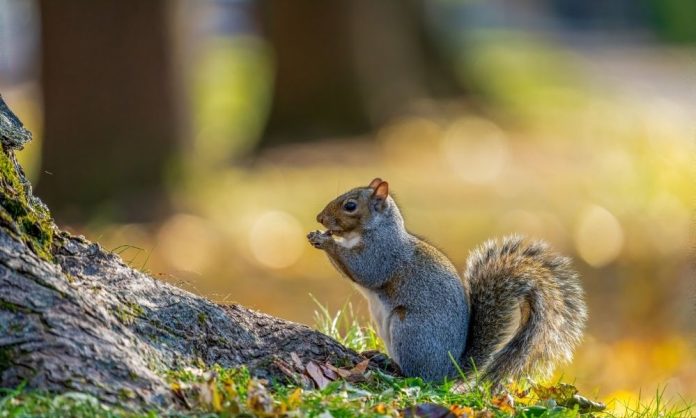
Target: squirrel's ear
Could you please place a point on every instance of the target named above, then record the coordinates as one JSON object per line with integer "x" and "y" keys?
{"x": 380, "y": 194}
{"x": 374, "y": 183}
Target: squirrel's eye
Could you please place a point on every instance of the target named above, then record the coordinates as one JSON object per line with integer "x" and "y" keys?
{"x": 350, "y": 206}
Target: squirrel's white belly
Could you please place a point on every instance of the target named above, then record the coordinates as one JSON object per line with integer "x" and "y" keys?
{"x": 379, "y": 313}
{"x": 348, "y": 241}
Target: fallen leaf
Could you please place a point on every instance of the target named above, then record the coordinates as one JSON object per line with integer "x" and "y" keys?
{"x": 284, "y": 368}
{"x": 522, "y": 393}
{"x": 328, "y": 372}
{"x": 294, "y": 398}
{"x": 462, "y": 411}
{"x": 216, "y": 402}
{"x": 314, "y": 371}
{"x": 360, "y": 368}
{"x": 381, "y": 408}
{"x": 297, "y": 361}
{"x": 230, "y": 390}
{"x": 504, "y": 402}
{"x": 341, "y": 372}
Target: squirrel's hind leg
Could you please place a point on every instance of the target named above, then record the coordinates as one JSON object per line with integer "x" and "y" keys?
{"x": 420, "y": 353}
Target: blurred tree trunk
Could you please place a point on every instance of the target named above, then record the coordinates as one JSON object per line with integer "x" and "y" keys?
{"x": 111, "y": 122}
{"x": 346, "y": 66}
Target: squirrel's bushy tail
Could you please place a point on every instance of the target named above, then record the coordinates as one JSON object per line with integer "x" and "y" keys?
{"x": 521, "y": 276}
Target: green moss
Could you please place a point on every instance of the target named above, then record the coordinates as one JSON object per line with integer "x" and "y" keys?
{"x": 129, "y": 312}
{"x": 202, "y": 318}
{"x": 8, "y": 306}
{"x": 125, "y": 394}
{"x": 198, "y": 362}
{"x": 135, "y": 308}
{"x": 31, "y": 223}
{"x": 13, "y": 206}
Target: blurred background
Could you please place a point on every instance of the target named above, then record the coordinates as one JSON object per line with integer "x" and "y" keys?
{"x": 198, "y": 139}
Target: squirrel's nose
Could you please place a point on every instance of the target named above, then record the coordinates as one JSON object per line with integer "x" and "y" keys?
{"x": 320, "y": 218}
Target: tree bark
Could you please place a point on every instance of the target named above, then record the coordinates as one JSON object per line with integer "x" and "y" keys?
{"x": 74, "y": 317}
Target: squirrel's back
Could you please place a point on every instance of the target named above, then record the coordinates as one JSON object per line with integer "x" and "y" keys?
{"x": 517, "y": 276}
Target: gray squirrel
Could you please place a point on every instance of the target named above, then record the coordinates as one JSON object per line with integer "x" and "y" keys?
{"x": 517, "y": 310}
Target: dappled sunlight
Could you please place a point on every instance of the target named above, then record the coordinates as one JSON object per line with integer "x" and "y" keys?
{"x": 546, "y": 138}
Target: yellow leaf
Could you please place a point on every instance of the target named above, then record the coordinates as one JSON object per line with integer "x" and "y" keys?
{"x": 216, "y": 400}
{"x": 295, "y": 398}
{"x": 462, "y": 411}
{"x": 504, "y": 402}
{"x": 230, "y": 390}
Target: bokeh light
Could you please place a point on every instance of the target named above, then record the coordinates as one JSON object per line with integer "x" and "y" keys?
{"x": 276, "y": 239}
{"x": 598, "y": 236}
{"x": 475, "y": 149}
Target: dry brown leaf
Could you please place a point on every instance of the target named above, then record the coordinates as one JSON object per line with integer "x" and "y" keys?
{"x": 504, "y": 402}
{"x": 328, "y": 372}
{"x": 360, "y": 368}
{"x": 462, "y": 411}
{"x": 284, "y": 368}
{"x": 297, "y": 361}
{"x": 314, "y": 371}
{"x": 341, "y": 372}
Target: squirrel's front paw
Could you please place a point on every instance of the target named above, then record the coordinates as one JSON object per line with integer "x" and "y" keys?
{"x": 318, "y": 239}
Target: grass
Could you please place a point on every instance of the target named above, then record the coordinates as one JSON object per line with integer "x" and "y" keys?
{"x": 344, "y": 327}
{"x": 221, "y": 392}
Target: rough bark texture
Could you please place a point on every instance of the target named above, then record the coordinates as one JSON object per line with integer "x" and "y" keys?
{"x": 75, "y": 317}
